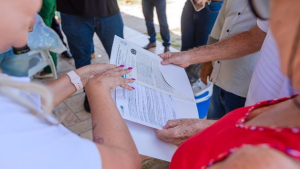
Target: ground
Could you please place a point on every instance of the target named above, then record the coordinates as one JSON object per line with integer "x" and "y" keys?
{"x": 71, "y": 110}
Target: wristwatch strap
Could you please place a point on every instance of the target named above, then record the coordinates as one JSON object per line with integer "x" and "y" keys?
{"x": 75, "y": 80}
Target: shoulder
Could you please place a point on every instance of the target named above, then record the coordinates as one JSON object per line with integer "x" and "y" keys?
{"x": 259, "y": 157}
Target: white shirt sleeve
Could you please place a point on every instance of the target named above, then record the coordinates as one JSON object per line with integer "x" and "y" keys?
{"x": 263, "y": 25}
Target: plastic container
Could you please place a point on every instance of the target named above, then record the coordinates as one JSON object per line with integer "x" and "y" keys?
{"x": 202, "y": 95}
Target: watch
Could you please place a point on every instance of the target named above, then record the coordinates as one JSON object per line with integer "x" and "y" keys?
{"x": 75, "y": 80}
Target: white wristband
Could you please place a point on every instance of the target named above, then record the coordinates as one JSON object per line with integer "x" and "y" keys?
{"x": 75, "y": 80}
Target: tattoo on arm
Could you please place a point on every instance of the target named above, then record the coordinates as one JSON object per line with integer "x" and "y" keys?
{"x": 94, "y": 127}
{"x": 98, "y": 140}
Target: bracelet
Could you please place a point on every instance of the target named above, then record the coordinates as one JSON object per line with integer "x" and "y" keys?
{"x": 22, "y": 50}
{"x": 75, "y": 80}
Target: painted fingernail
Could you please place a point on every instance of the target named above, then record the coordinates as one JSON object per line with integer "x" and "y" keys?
{"x": 133, "y": 88}
{"x": 130, "y": 68}
{"x": 121, "y": 65}
{"x": 132, "y": 78}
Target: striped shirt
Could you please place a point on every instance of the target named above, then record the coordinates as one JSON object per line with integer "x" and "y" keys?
{"x": 267, "y": 81}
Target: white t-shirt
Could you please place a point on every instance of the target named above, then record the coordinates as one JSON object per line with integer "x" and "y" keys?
{"x": 267, "y": 81}
{"x": 27, "y": 142}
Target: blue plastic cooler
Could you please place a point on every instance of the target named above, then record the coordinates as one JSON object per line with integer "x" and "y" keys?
{"x": 202, "y": 95}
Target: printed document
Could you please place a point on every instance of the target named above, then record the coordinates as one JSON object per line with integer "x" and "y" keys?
{"x": 161, "y": 93}
{"x": 146, "y": 67}
{"x": 146, "y": 106}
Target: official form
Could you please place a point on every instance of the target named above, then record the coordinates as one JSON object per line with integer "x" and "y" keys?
{"x": 161, "y": 93}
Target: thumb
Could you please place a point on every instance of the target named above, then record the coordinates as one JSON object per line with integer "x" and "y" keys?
{"x": 171, "y": 124}
{"x": 167, "y": 61}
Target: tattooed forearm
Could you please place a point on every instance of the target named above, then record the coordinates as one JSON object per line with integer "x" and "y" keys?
{"x": 94, "y": 127}
{"x": 98, "y": 140}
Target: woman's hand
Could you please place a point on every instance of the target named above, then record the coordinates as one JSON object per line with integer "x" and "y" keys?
{"x": 109, "y": 79}
{"x": 88, "y": 72}
{"x": 178, "y": 131}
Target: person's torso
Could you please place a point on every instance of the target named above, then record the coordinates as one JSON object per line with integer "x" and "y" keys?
{"x": 234, "y": 75}
{"x": 228, "y": 135}
{"x": 268, "y": 82}
{"x": 29, "y": 142}
{"x": 88, "y": 8}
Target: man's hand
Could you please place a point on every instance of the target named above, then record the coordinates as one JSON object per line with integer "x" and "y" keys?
{"x": 181, "y": 59}
{"x": 205, "y": 71}
{"x": 177, "y": 131}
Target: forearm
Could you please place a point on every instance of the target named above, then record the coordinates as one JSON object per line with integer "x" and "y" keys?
{"x": 62, "y": 87}
{"x": 204, "y": 124}
{"x": 234, "y": 47}
{"x": 109, "y": 128}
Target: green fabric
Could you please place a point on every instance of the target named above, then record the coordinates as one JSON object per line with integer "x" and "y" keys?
{"x": 47, "y": 13}
{"x": 48, "y": 10}
{"x": 54, "y": 57}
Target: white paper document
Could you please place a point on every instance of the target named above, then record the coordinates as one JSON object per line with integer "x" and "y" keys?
{"x": 146, "y": 106}
{"x": 146, "y": 68}
{"x": 161, "y": 93}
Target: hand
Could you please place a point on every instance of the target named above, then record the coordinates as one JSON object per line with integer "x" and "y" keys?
{"x": 181, "y": 59}
{"x": 206, "y": 70}
{"x": 88, "y": 72}
{"x": 110, "y": 79}
{"x": 178, "y": 131}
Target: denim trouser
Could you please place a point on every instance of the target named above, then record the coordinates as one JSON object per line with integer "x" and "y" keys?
{"x": 15, "y": 65}
{"x": 195, "y": 29}
{"x": 80, "y": 32}
{"x": 148, "y": 9}
{"x": 196, "y": 26}
{"x": 223, "y": 102}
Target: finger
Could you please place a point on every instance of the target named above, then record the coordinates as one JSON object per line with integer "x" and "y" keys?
{"x": 117, "y": 69}
{"x": 165, "y": 136}
{"x": 167, "y": 61}
{"x": 126, "y": 86}
{"x": 165, "y": 55}
{"x": 119, "y": 72}
{"x": 129, "y": 80}
{"x": 171, "y": 124}
{"x": 123, "y": 72}
{"x": 162, "y": 134}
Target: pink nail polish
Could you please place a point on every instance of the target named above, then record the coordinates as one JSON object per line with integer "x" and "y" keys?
{"x": 130, "y": 68}
{"x": 133, "y": 88}
{"x": 121, "y": 65}
{"x": 132, "y": 78}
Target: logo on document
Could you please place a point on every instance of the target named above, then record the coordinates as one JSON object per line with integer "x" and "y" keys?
{"x": 122, "y": 110}
{"x": 133, "y": 51}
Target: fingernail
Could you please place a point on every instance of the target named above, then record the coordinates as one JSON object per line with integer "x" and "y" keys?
{"x": 121, "y": 65}
{"x": 133, "y": 88}
{"x": 130, "y": 68}
{"x": 132, "y": 78}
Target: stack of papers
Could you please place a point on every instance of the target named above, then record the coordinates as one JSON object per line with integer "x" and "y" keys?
{"x": 161, "y": 93}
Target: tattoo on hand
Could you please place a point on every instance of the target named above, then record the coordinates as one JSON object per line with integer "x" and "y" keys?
{"x": 98, "y": 140}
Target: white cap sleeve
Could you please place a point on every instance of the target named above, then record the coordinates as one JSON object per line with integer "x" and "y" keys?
{"x": 263, "y": 25}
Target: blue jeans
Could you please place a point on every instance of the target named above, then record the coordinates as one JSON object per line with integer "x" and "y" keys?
{"x": 148, "y": 9}
{"x": 15, "y": 65}
{"x": 80, "y": 32}
{"x": 196, "y": 26}
{"x": 223, "y": 102}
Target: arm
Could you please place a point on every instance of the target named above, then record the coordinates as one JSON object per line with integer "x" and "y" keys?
{"x": 110, "y": 132}
{"x": 234, "y": 47}
{"x": 178, "y": 131}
